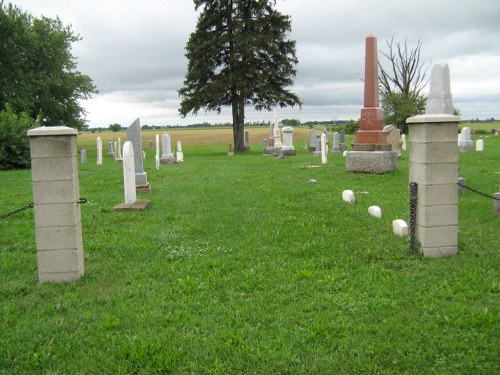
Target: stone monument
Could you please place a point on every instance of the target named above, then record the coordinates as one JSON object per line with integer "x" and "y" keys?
{"x": 167, "y": 156}
{"x": 371, "y": 151}
{"x": 134, "y": 136}
{"x": 465, "y": 143}
{"x": 324, "y": 149}
{"x": 99, "y": 151}
{"x": 288, "y": 149}
{"x": 179, "y": 153}
{"x": 246, "y": 141}
{"x": 433, "y": 161}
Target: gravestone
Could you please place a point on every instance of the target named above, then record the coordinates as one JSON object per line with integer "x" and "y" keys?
{"x": 167, "y": 156}
{"x": 180, "y": 154}
{"x": 394, "y": 138}
{"x": 56, "y": 192}
{"x": 348, "y": 196}
{"x": 110, "y": 149}
{"x": 312, "y": 140}
{"x": 134, "y": 136}
{"x": 342, "y": 141}
{"x": 246, "y": 141}
{"x": 230, "y": 151}
{"x": 403, "y": 142}
{"x": 375, "y": 211}
{"x": 99, "y": 151}
{"x": 465, "y": 143}
{"x": 131, "y": 203}
{"x": 336, "y": 142}
{"x": 157, "y": 154}
{"x": 288, "y": 149}
{"x": 439, "y": 100}
{"x": 433, "y": 161}
{"x": 371, "y": 151}
{"x": 83, "y": 155}
{"x": 119, "y": 157}
{"x": 479, "y": 145}
{"x": 400, "y": 228}
{"x": 324, "y": 150}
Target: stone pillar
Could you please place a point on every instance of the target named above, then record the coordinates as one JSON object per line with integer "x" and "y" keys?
{"x": 57, "y": 212}
{"x": 99, "y": 151}
{"x": 433, "y": 160}
{"x": 324, "y": 151}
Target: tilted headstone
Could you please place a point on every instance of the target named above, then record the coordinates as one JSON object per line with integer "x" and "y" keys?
{"x": 99, "y": 151}
{"x": 134, "y": 136}
{"x": 393, "y": 138}
{"x": 167, "y": 156}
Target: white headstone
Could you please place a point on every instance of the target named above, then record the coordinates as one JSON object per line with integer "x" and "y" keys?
{"x": 324, "y": 151}
{"x": 400, "y": 228}
{"x": 167, "y": 155}
{"x": 465, "y": 143}
{"x": 180, "y": 154}
{"x": 129, "y": 173}
{"x": 439, "y": 99}
{"x": 157, "y": 155}
{"x": 403, "y": 141}
{"x": 99, "y": 151}
{"x": 348, "y": 196}
{"x": 288, "y": 148}
{"x": 119, "y": 156}
{"x": 479, "y": 145}
{"x": 375, "y": 211}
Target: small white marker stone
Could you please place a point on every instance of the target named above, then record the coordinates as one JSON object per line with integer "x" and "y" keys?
{"x": 348, "y": 196}
{"x": 375, "y": 211}
{"x": 400, "y": 228}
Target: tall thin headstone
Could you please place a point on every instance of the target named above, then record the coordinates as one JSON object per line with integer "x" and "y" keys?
{"x": 324, "y": 151}
{"x": 433, "y": 161}
{"x": 246, "y": 140}
{"x": 157, "y": 155}
{"x": 134, "y": 136}
{"x": 342, "y": 141}
{"x": 99, "y": 151}
{"x": 180, "y": 154}
{"x": 110, "y": 149}
{"x": 336, "y": 142}
{"x": 83, "y": 155}
{"x": 288, "y": 149}
{"x": 119, "y": 157}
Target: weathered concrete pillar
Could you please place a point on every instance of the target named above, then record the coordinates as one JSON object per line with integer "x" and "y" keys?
{"x": 433, "y": 160}
{"x": 56, "y": 193}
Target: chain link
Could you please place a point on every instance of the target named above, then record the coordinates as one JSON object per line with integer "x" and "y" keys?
{"x": 413, "y": 214}
{"x": 477, "y": 191}
{"x": 31, "y": 205}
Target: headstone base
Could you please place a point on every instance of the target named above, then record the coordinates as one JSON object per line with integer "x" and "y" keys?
{"x": 288, "y": 152}
{"x": 269, "y": 150}
{"x": 139, "y": 205}
{"x": 371, "y": 161}
{"x": 143, "y": 188}
{"x": 168, "y": 159}
{"x": 466, "y": 146}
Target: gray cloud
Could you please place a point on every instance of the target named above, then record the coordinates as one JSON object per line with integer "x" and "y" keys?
{"x": 134, "y": 52}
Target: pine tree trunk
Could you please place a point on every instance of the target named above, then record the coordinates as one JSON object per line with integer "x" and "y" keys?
{"x": 238, "y": 107}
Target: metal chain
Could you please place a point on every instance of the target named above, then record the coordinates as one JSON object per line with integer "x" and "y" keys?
{"x": 413, "y": 214}
{"x": 477, "y": 191}
{"x": 31, "y": 205}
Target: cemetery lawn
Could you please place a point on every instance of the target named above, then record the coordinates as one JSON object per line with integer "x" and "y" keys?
{"x": 240, "y": 265}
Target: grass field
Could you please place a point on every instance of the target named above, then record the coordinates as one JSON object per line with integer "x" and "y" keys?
{"x": 239, "y": 265}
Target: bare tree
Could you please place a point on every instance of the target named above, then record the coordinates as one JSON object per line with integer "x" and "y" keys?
{"x": 402, "y": 82}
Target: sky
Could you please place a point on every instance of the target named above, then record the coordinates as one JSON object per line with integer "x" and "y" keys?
{"x": 134, "y": 50}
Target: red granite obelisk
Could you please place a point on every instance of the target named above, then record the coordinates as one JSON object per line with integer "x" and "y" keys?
{"x": 370, "y": 136}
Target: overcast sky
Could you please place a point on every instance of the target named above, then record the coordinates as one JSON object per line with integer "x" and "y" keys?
{"x": 134, "y": 52}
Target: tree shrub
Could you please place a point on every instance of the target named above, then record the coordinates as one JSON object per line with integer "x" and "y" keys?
{"x": 14, "y": 142}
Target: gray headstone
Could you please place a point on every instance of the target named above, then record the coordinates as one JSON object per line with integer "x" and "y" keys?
{"x": 342, "y": 141}
{"x": 83, "y": 155}
{"x": 336, "y": 142}
{"x": 134, "y": 136}
{"x": 439, "y": 99}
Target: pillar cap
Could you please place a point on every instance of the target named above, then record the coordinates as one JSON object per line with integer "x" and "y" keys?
{"x": 432, "y": 118}
{"x": 51, "y": 130}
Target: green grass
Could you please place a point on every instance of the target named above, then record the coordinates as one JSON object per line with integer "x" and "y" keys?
{"x": 240, "y": 265}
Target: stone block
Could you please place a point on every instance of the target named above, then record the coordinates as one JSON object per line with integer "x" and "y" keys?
{"x": 59, "y": 238}
{"x": 437, "y": 252}
{"x": 433, "y": 174}
{"x": 46, "y": 192}
{"x": 56, "y": 261}
{"x": 430, "y": 216}
{"x": 52, "y": 169}
{"x": 57, "y": 215}
{"x": 437, "y": 195}
{"x": 433, "y": 131}
{"x": 52, "y": 147}
{"x": 442, "y": 152}
{"x": 442, "y": 236}
{"x": 400, "y": 228}
{"x": 375, "y": 211}
{"x": 371, "y": 161}
{"x": 59, "y": 277}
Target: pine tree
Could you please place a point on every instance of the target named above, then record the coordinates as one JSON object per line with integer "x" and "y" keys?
{"x": 239, "y": 55}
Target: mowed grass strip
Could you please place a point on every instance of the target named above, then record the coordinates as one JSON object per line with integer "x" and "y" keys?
{"x": 240, "y": 265}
